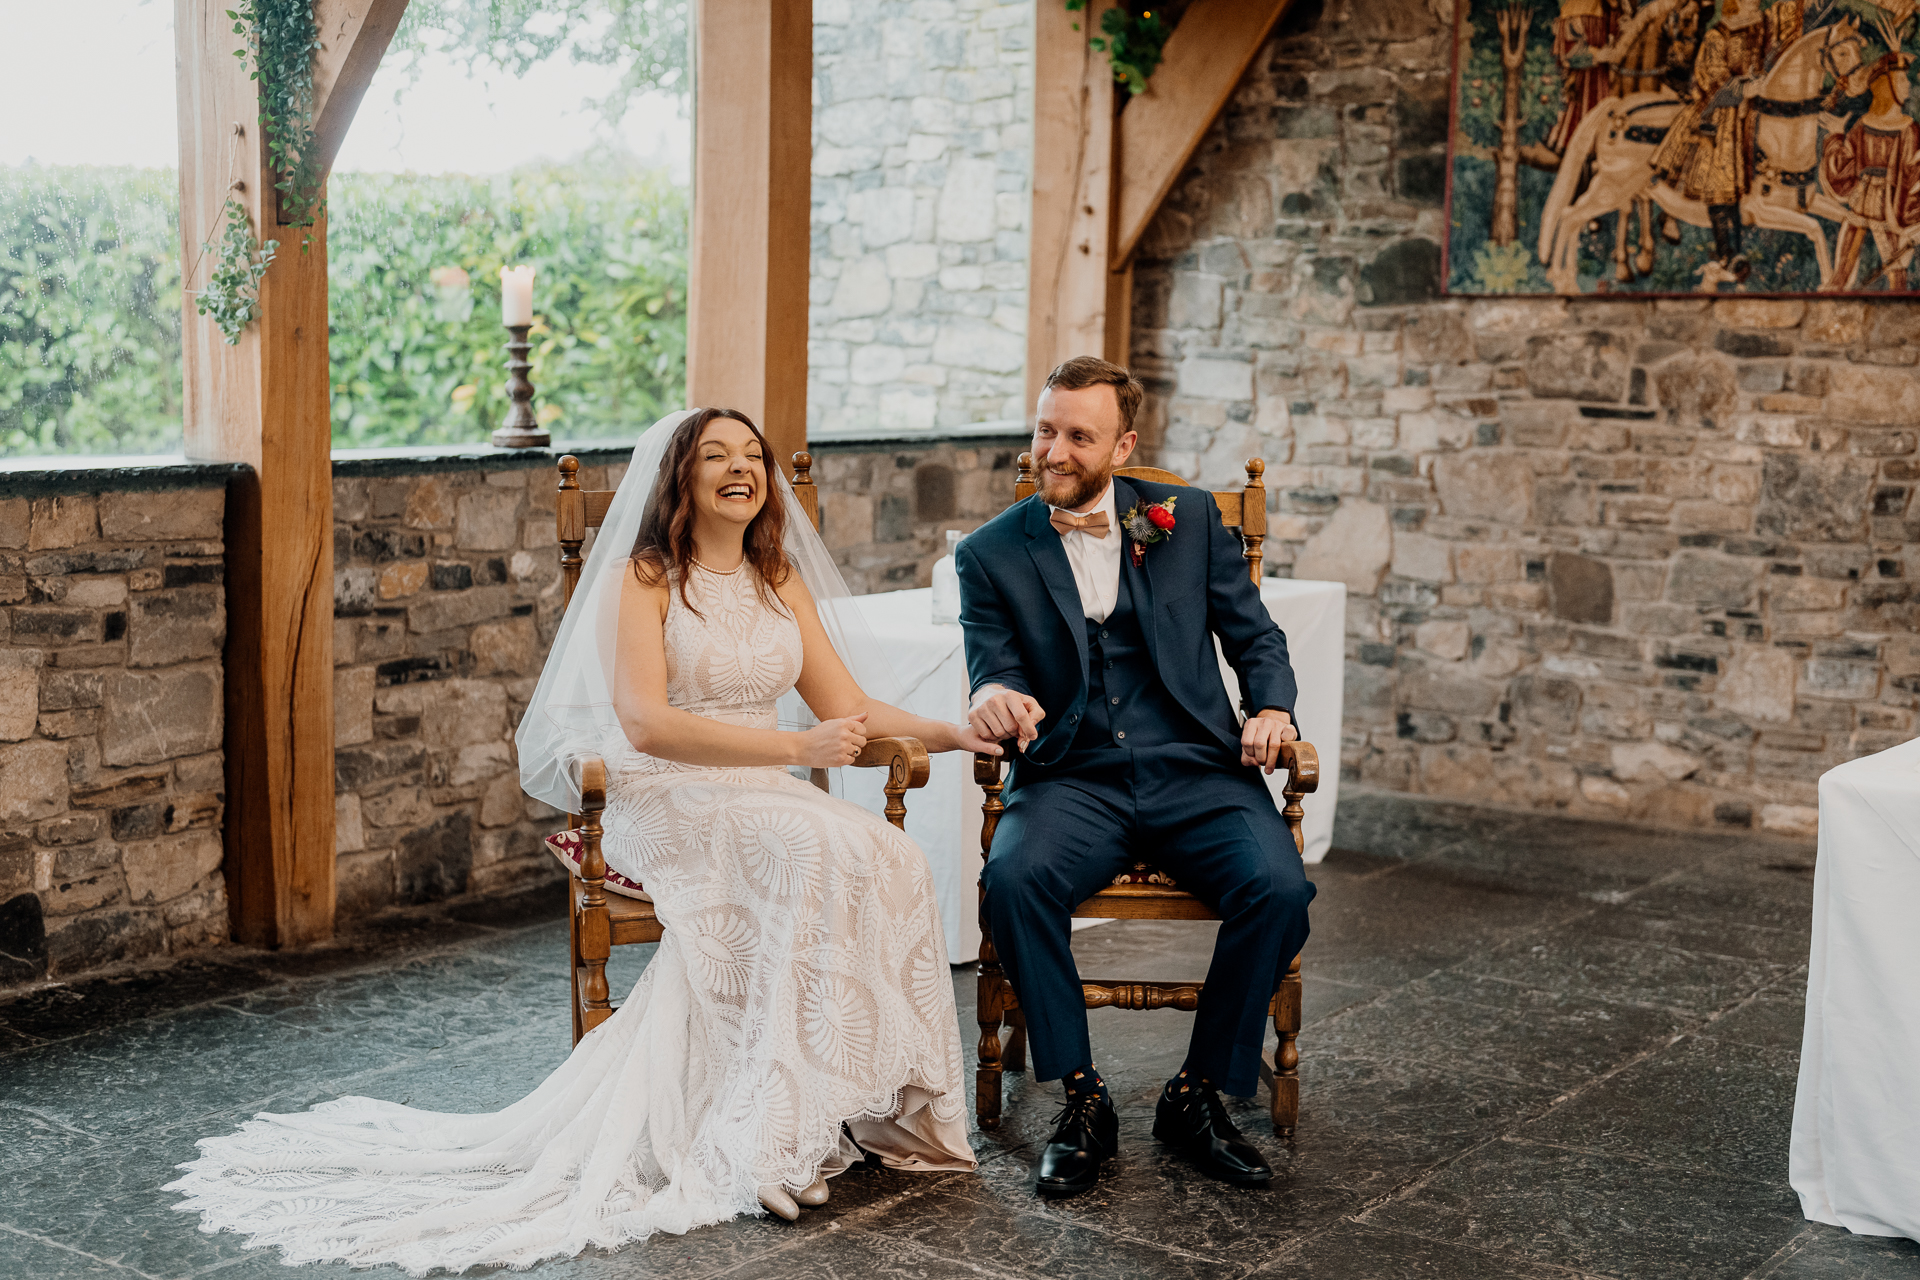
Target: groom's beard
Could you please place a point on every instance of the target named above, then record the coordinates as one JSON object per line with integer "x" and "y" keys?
{"x": 1073, "y": 490}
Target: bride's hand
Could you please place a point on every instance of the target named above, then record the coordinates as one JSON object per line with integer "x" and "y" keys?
{"x": 832, "y": 744}
{"x": 968, "y": 738}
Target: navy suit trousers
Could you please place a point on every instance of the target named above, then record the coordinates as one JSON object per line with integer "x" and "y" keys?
{"x": 1067, "y": 833}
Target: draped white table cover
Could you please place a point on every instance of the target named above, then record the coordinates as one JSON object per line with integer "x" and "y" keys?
{"x": 944, "y": 818}
{"x": 1855, "y": 1158}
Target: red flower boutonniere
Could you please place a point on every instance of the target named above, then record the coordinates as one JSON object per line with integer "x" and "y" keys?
{"x": 1148, "y": 525}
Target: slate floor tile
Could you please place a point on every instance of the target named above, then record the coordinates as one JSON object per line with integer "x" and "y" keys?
{"x": 1596, "y": 1214}
{"x": 1549, "y": 1038}
{"x": 23, "y": 1254}
{"x": 1579, "y": 958}
{"x": 973, "y": 1227}
{"x": 1833, "y": 1253}
{"x": 1700, "y": 1104}
{"x": 1426, "y": 1108}
{"x": 1774, "y": 1019}
{"x": 1354, "y": 1251}
{"x": 1151, "y": 1194}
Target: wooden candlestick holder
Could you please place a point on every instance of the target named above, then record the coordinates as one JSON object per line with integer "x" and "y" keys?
{"x": 522, "y": 429}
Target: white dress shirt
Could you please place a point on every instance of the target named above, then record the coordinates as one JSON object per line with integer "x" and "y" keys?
{"x": 1096, "y": 561}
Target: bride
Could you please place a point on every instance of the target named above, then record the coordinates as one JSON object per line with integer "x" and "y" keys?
{"x": 799, "y": 1009}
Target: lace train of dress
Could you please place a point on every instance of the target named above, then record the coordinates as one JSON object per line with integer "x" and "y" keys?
{"x": 802, "y": 983}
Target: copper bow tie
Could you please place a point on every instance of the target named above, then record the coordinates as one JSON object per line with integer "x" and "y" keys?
{"x": 1094, "y": 526}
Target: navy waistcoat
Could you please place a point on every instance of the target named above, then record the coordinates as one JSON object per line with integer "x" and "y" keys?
{"x": 1131, "y": 714}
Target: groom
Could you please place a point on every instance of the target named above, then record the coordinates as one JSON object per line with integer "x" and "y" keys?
{"x": 1090, "y": 644}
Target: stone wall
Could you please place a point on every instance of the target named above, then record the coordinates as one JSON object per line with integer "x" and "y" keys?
{"x": 112, "y": 619}
{"x": 885, "y": 505}
{"x": 446, "y": 595}
{"x": 1642, "y": 559}
{"x": 921, "y": 144}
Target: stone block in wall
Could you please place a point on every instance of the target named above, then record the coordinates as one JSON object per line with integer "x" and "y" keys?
{"x": 444, "y": 610}
{"x": 19, "y": 693}
{"x": 352, "y": 705}
{"x": 167, "y": 627}
{"x": 1815, "y": 498}
{"x": 1485, "y": 484}
{"x": 1354, "y": 547}
{"x": 161, "y": 870}
{"x": 449, "y": 713}
{"x": 66, "y": 520}
{"x": 33, "y": 780}
{"x": 434, "y": 861}
{"x": 157, "y": 715}
{"x": 170, "y": 516}
{"x": 487, "y": 520}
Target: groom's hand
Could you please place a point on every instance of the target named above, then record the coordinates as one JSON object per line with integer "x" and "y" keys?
{"x": 999, "y": 714}
{"x": 1262, "y": 735}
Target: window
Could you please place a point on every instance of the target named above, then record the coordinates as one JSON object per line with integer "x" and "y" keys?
{"x": 551, "y": 137}
{"x": 89, "y": 231}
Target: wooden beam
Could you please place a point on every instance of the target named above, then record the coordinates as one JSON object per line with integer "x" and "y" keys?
{"x": 354, "y": 34}
{"x": 1204, "y": 59}
{"x": 264, "y": 402}
{"x": 1068, "y": 287}
{"x": 753, "y": 157}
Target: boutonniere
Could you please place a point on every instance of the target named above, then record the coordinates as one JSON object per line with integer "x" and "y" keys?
{"x": 1148, "y": 525}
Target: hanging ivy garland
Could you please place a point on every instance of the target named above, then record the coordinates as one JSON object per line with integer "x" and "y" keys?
{"x": 1133, "y": 43}
{"x": 282, "y": 38}
{"x": 232, "y": 296}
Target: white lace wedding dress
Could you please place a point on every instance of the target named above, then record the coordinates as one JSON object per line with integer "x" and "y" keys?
{"x": 803, "y": 982}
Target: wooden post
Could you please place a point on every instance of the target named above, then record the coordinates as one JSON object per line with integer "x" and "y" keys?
{"x": 753, "y": 156}
{"x": 264, "y": 401}
{"x": 1100, "y": 176}
{"x": 1068, "y": 287}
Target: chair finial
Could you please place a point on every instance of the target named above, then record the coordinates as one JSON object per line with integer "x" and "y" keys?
{"x": 569, "y": 472}
{"x": 803, "y": 467}
{"x": 1026, "y": 469}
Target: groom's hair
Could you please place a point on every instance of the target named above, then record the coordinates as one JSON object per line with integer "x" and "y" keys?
{"x": 663, "y": 550}
{"x": 1082, "y": 372}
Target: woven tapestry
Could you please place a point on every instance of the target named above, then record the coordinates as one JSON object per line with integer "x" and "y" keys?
{"x": 1683, "y": 146}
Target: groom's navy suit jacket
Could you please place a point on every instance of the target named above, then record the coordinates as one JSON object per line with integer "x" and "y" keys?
{"x": 1025, "y": 627}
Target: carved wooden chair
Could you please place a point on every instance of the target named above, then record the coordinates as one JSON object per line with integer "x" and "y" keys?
{"x": 1145, "y": 892}
{"x": 600, "y": 921}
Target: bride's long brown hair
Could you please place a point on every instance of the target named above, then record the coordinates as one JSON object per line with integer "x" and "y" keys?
{"x": 663, "y": 550}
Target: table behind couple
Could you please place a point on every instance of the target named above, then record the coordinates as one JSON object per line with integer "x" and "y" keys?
{"x": 944, "y": 818}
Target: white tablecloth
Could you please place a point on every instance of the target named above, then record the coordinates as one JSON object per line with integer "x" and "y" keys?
{"x": 945, "y": 817}
{"x": 1856, "y": 1118}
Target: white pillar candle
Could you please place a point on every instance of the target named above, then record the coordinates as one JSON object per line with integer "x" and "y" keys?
{"x": 516, "y": 296}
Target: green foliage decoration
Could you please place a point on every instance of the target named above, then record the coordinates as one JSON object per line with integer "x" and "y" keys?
{"x": 232, "y": 296}
{"x": 1133, "y": 42}
{"x": 90, "y": 310}
{"x": 282, "y": 38}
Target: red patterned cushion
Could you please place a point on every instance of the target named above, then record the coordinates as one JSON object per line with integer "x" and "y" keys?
{"x": 566, "y": 846}
{"x": 1145, "y": 873}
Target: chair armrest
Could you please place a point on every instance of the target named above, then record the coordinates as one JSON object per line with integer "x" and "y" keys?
{"x": 904, "y": 759}
{"x": 592, "y": 773}
{"x": 1302, "y": 764}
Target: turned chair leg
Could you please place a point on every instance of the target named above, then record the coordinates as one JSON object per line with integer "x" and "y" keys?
{"x": 986, "y": 1086}
{"x": 1286, "y": 1056}
{"x": 1014, "y": 1058}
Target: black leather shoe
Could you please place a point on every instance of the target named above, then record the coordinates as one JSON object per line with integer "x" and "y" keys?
{"x": 1086, "y": 1132}
{"x": 1196, "y": 1124}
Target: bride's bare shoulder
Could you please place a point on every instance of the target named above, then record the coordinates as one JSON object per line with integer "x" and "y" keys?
{"x": 648, "y": 578}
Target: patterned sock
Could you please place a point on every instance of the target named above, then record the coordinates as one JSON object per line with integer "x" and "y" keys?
{"x": 1182, "y": 1087}
{"x": 1085, "y": 1081}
